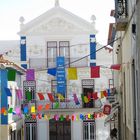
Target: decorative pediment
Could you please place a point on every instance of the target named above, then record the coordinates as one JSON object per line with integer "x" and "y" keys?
{"x": 56, "y": 26}
{"x": 59, "y": 21}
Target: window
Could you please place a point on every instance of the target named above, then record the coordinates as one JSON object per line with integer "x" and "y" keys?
{"x": 30, "y": 131}
{"x": 64, "y": 50}
{"x": 89, "y": 130}
{"x": 51, "y": 53}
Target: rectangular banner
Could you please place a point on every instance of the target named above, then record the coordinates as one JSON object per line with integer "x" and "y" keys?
{"x": 60, "y": 75}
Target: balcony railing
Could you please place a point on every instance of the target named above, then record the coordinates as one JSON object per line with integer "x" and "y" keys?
{"x": 121, "y": 14}
{"x": 43, "y": 63}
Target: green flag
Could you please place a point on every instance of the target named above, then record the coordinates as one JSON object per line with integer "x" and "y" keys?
{"x": 10, "y": 110}
{"x": 11, "y": 75}
{"x": 28, "y": 95}
{"x": 56, "y": 105}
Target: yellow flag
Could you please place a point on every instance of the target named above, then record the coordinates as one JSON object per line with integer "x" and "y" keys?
{"x": 60, "y": 96}
{"x": 102, "y": 94}
{"x": 32, "y": 109}
{"x": 72, "y": 73}
{"x": 86, "y": 99}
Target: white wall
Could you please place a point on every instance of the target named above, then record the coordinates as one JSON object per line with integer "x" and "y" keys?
{"x": 43, "y": 129}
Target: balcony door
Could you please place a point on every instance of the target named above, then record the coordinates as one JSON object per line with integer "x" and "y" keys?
{"x": 60, "y": 130}
{"x": 88, "y": 89}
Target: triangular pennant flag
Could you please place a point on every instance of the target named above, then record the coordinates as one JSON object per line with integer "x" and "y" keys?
{"x": 8, "y": 92}
{"x": 39, "y": 116}
{"x": 41, "y": 96}
{"x": 72, "y": 73}
{"x": 34, "y": 116}
{"x": 19, "y": 93}
{"x": 39, "y": 108}
{"x": 28, "y": 95}
{"x": 89, "y": 96}
{"x": 51, "y": 98}
{"x": 11, "y": 75}
{"x": 52, "y": 71}
{"x": 56, "y": 105}
{"x": 3, "y": 109}
{"x": 76, "y": 99}
{"x": 95, "y": 72}
{"x": 115, "y": 66}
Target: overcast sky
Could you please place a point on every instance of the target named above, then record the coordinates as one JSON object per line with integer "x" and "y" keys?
{"x": 11, "y": 10}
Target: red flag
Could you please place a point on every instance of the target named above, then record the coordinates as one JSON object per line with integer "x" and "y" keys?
{"x": 115, "y": 66}
{"x": 95, "y": 97}
{"x": 105, "y": 93}
{"x": 41, "y": 96}
{"x": 51, "y": 98}
{"x": 39, "y": 108}
{"x": 95, "y": 71}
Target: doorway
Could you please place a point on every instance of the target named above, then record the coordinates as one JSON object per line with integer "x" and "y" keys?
{"x": 60, "y": 130}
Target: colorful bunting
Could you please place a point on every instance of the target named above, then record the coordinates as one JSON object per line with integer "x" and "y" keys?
{"x": 95, "y": 96}
{"x": 11, "y": 75}
{"x": 56, "y": 105}
{"x": 72, "y": 73}
{"x": 25, "y": 109}
{"x": 86, "y": 99}
{"x": 102, "y": 94}
{"x": 60, "y": 96}
{"x": 47, "y": 106}
{"x": 95, "y": 72}
{"x": 10, "y": 110}
{"x": 18, "y": 111}
{"x": 40, "y": 107}
{"x": 8, "y": 92}
{"x": 41, "y": 96}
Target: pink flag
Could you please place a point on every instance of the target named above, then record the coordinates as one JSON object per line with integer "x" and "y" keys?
{"x": 76, "y": 99}
{"x": 30, "y": 74}
{"x": 19, "y": 93}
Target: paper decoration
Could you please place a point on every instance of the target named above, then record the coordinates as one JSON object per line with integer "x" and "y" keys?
{"x": 39, "y": 116}
{"x": 108, "y": 92}
{"x": 28, "y": 95}
{"x": 32, "y": 109}
{"x": 82, "y": 96}
{"x": 47, "y": 106}
{"x": 107, "y": 109}
{"x": 39, "y": 108}
{"x": 56, "y": 105}
{"x": 34, "y": 116}
{"x": 8, "y": 92}
{"x": 41, "y": 96}
{"x": 3, "y": 109}
{"x": 19, "y": 94}
{"x": 86, "y": 99}
{"x": 25, "y": 110}
{"x": 52, "y": 71}
{"x": 95, "y": 95}
{"x": 116, "y": 66}
{"x": 30, "y": 75}
{"x": 105, "y": 93}
{"x": 11, "y": 75}
{"x": 51, "y": 98}
{"x": 95, "y": 72}
{"x": 10, "y": 110}
{"x": 102, "y": 94}
{"x": 76, "y": 99}
{"x": 60, "y": 96}
{"x": 72, "y": 73}
{"x": 18, "y": 111}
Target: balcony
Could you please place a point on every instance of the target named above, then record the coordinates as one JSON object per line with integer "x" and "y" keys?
{"x": 121, "y": 14}
{"x": 64, "y": 106}
{"x": 43, "y": 63}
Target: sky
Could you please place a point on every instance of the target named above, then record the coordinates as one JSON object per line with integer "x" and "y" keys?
{"x": 12, "y": 10}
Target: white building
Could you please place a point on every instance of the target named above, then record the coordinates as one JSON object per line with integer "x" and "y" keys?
{"x": 58, "y": 32}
